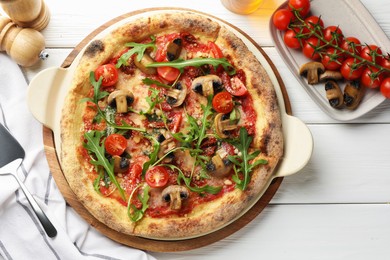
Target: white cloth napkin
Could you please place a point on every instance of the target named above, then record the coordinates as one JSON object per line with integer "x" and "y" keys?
{"x": 21, "y": 234}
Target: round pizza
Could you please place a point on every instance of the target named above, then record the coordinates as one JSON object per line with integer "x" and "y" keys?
{"x": 171, "y": 128}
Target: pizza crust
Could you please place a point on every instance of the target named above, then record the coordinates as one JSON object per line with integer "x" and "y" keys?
{"x": 207, "y": 217}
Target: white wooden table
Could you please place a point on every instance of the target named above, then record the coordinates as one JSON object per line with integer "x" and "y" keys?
{"x": 337, "y": 207}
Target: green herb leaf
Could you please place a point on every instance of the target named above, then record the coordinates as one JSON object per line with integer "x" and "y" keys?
{"x": 137, "y": 214}
{"x": 196, "y": 62}
{"x": 149, "y": 81}
{"x": 187, "y": 182}
{"x": 137, "y": 48}
{"x": 93, "y": 145}
{"x": 242, "y": 163}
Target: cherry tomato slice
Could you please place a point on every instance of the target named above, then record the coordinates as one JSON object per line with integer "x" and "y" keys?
{"x": 385, "y": 87}
{"x": 223, "y": 102}
{"x": 157, "y": 176}
{"x": 237, "y": 87}
{"x": 170, "y": 74}
{"x": 215, "y": 50}
{"x": 115, "y": 144}
{"x": 109, "y": 74}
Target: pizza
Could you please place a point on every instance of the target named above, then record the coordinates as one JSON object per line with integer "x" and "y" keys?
{"x": 171, "y": 128}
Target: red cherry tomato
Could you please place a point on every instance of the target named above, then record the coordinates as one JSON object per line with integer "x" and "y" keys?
{"x": 115, "y": 144}
{"x": 109, "y": 74}
{"x": 223, "y": 102}
{"x": 237, "y": 87}
{"x": 290, "y": 39}
{"x": 175, "y": 122}
{"x": 310, "y": 48}
{"x": 333, "y": 34}
{"x": 370, "y": 78}
{"x": 302, "y": 6}
{"x": 157, "y": 176}
{"x": 332, "y": 59}
{"x": 385, "y": 87}
{"x": 371, "y": 53}
{"x": 385, "y": 63}
{"x": 352, "y": 45}
{"x": 282, "y": 19}
{"x": 170, "y": 74}
{"x": 313, "y": 22}
{"x": 215, "y": 50}
{"x": 350, "y": 70}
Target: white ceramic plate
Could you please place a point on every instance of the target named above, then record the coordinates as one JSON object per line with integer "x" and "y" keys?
{"x": 354, "y": 20}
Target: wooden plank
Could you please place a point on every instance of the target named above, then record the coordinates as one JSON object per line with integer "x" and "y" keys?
{"x": 295, "y": 232}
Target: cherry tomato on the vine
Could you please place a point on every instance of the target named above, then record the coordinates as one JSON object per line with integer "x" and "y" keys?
{"x": 302, "y": 6}
{"x": 115, "y": 144}
{"x": 350, "y": 69}
{"x": 223, "y": 102}
{"x": 370, "y": 77}
{"x": 109, "y": 74}
{"x": 312, "y": 22}
{"x": 310, "y": 48}
{"x": 333, "y": 34}
{"x": 351, "y": 45}
{"x": 282, "y": 19}
{"x": 332, "y": 59}
{"x": 157, "y": 176}
{"x": 385, "y": 63}
{"x": 385, "y": 87}
{"x": 291, "y": 40}
{"x": 371, "y": 53}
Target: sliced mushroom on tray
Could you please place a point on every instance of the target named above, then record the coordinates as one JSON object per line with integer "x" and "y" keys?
{"x": 353, "y": 94}
{"x": 175, "y": 194}
{"x": 121, "y": 99}
{"x": 176, "y": 95}
{"x": 207, "y": 85}
{"x": 334, "y": 94}
{"x": 331, "y": 75}
{"x": 312, "y": 71}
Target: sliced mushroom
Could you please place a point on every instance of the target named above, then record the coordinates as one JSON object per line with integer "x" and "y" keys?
{"x": 312, "y": 70}
{"x": 334, "y": 94}
{"x": 166, "y": 146}
{"x": 176, "y": 95}
{"x": 219, "y": 165}
{"x": 146, "y": 59}
{"x": 174, "y": 49}
{"x": 121, "y": 164}
{"x": 353, "y": 94}
{"x": 207, "y": 85}
{"x": 121, "y": 99}
{"x": 223, "y": 125}
{"x": 175, "y": 194}
{"x": 331, "y": 75}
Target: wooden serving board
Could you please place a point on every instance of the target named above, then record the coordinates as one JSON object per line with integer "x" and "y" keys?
{"x": 138, "y": 242}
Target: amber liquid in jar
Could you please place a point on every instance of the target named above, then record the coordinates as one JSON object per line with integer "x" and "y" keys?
{"x": 242, "y": 6}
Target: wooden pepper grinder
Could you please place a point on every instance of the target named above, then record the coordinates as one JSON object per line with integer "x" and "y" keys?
{"x": 24, "y": 45}
{"x": 27, "y": 13}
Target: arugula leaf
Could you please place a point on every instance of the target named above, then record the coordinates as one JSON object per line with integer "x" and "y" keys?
{"x": 242, "y": 163}
{"x": 137, "y": 214}
{"x": 93, "y": 145}
{"x": 152, "y": 156}
{"x": 187, "y": 182}
{"x": 137, "y": 48}
{"x": 149, "y": 81}
{"x": 196, "y": 62}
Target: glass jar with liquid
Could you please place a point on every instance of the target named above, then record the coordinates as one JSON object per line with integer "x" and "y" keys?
{"x": 242, "y": 6}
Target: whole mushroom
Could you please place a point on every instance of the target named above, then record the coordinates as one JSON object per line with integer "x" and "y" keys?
{"x": 312, "y": 70}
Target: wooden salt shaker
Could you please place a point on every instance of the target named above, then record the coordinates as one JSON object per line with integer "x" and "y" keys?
{"x": 27, "y": 13}
{"x": 24, "y": 45}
